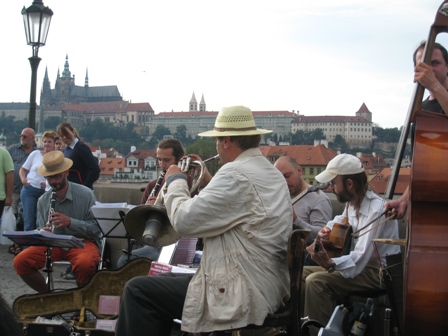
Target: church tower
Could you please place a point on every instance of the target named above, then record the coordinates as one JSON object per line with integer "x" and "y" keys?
{"x": 364, "y": 112}
{"x": 86, "y": 81}
{"x": 45, "y": 93}
{"x": 202, "y": 104}
{"x": 64, "y": 84}
{"x": 193, "y": 103}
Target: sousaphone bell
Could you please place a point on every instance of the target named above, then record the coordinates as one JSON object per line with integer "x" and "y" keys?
{"x": 149, "y": 224}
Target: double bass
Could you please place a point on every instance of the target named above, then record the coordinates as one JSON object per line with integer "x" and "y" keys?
{"x": 425, "y": 282}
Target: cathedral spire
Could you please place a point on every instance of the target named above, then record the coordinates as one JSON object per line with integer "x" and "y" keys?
{"x": 202, "y": 104}
{"x": 66, "y": 73}
{"x": 86, "y": 81}
{"x": 193, "y": 103}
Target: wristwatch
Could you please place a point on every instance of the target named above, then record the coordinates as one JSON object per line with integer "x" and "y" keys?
{"x": 332, "y": 268}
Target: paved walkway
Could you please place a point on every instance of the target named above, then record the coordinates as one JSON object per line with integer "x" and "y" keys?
{"x": 11, "y": 285}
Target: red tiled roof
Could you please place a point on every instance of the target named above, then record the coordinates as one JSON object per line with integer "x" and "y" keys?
{"x": 380, "y": 181}
{"x": 142, "y": 154}
{"x": 309, "y": 119}
{"x": 363, "y": 108}
{"x": 109, "y": 165}
{"x": 139, "y": 107}
{"x": 118, "y": 106}
{"x": 304, "y": 154}
{"x": 211, "y": 113}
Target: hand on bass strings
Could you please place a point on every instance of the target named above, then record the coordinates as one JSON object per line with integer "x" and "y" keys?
{"x": 398, "y": 206}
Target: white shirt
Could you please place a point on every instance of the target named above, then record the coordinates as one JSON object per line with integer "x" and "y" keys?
{"x": 372, "y": 206}
{"x": 32, "y": 163}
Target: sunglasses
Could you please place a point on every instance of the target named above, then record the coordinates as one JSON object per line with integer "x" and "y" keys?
{"x": 54, "y": 177}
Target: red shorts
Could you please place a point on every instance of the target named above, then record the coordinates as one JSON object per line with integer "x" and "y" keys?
{"x": 84, "y": 260}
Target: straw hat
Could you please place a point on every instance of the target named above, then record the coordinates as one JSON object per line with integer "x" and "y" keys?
{"x": 234, "y": 121}
{"x": 54, "y": 163}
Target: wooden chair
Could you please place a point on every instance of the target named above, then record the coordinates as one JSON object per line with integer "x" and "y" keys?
{"x": 288, "y": 316}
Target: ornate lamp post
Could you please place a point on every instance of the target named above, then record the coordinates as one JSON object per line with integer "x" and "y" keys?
{"x": 36, "y": 19}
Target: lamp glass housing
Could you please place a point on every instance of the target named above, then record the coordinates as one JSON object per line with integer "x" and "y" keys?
{"x": 36, "y": 20}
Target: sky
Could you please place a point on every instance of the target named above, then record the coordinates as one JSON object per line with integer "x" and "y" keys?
{"x": 317, "y": 57}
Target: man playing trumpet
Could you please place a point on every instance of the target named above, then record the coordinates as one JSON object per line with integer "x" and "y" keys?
{"x": 244, "y": 215}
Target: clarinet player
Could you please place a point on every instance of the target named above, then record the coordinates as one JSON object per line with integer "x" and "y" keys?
{"x": 169, "y": 152}
{"x": 71, "y": 215}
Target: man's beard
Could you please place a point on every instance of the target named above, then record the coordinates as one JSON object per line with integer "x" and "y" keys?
{"x": 344, "y": 196}
{"x": 59, "y": 186}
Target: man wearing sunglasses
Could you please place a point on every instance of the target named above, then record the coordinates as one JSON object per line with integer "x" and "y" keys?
{"x": 71, "y": 215}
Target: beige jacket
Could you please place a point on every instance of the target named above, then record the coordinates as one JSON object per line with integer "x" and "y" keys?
{"x": 245, "y": 216}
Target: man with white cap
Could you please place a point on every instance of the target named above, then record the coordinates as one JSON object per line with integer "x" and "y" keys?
{"x": 72, "y": 216}
{"x": 329, "y": 284}
{"x": 245, "y": 216}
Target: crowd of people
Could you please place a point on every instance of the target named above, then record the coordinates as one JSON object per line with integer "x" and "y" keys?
{"x": 243, "y": 216}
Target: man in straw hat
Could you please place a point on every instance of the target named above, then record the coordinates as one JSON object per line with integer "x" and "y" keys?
{"x": 245, "y": 216}
{"x": 72, "y": 216}
{"x": 331, "y": 283}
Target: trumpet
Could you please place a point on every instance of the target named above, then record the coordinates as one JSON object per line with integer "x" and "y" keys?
{"x": 51, "y": 209}
{"x": 149, "y": 224}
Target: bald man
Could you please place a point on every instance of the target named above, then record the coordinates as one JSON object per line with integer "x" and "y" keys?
{"x": 19, "y": 153}
{"x": 313, "y": 210}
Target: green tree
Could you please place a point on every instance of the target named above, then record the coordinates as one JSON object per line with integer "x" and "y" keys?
{"x": 386, "y": 134}
{"x": 205, "y": 148}
{"x": 181, "y": 133}
{"x": 339, "y": 144}
{"x": 52, "y": 122}
{"x": 159, "y": 132}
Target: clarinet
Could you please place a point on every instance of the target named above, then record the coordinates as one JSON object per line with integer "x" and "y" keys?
{"x": 156, "y": 188}
{"x": 51, "y": 210}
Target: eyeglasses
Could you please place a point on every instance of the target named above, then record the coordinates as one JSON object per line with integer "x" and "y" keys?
{"x": 54, "y": 177}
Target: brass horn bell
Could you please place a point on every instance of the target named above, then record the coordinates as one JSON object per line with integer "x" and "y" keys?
{"x": 150, "y": 225}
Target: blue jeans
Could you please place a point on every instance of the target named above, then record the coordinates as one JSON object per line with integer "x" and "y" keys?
{"x": 29, "y": 196}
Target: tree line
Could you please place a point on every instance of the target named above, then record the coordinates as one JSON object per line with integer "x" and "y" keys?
{"x": 107, "y": 135}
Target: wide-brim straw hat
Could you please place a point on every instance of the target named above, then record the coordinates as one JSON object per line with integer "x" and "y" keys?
{"x": 234, "y": 121}
{"x": 54, "y": 163}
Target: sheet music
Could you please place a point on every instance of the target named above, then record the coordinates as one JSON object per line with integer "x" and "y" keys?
{"x": 110, "y": 219}
{"x": 42, "y": 238}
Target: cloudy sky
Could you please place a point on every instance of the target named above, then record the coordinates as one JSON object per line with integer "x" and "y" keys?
{"x": 317, "y": 57}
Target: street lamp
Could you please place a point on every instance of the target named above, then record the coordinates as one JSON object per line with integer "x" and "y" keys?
{"x": 36, "y": 19}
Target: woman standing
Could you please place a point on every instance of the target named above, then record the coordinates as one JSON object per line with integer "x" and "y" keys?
{"x": 34, "y": 185}
{"x": 85, "y": 169}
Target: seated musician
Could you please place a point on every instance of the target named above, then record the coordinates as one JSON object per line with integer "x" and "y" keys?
{"x": 329, "y": 284}
{"x": 169, "y": 152}
{"x": 314, "y": 209}
{"x": 244, "y": 215}
{"x": 72, "y": 216}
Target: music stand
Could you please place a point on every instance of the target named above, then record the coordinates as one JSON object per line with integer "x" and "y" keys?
{"x": 110, "y": 218}
{"x": 44, "y": 238}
